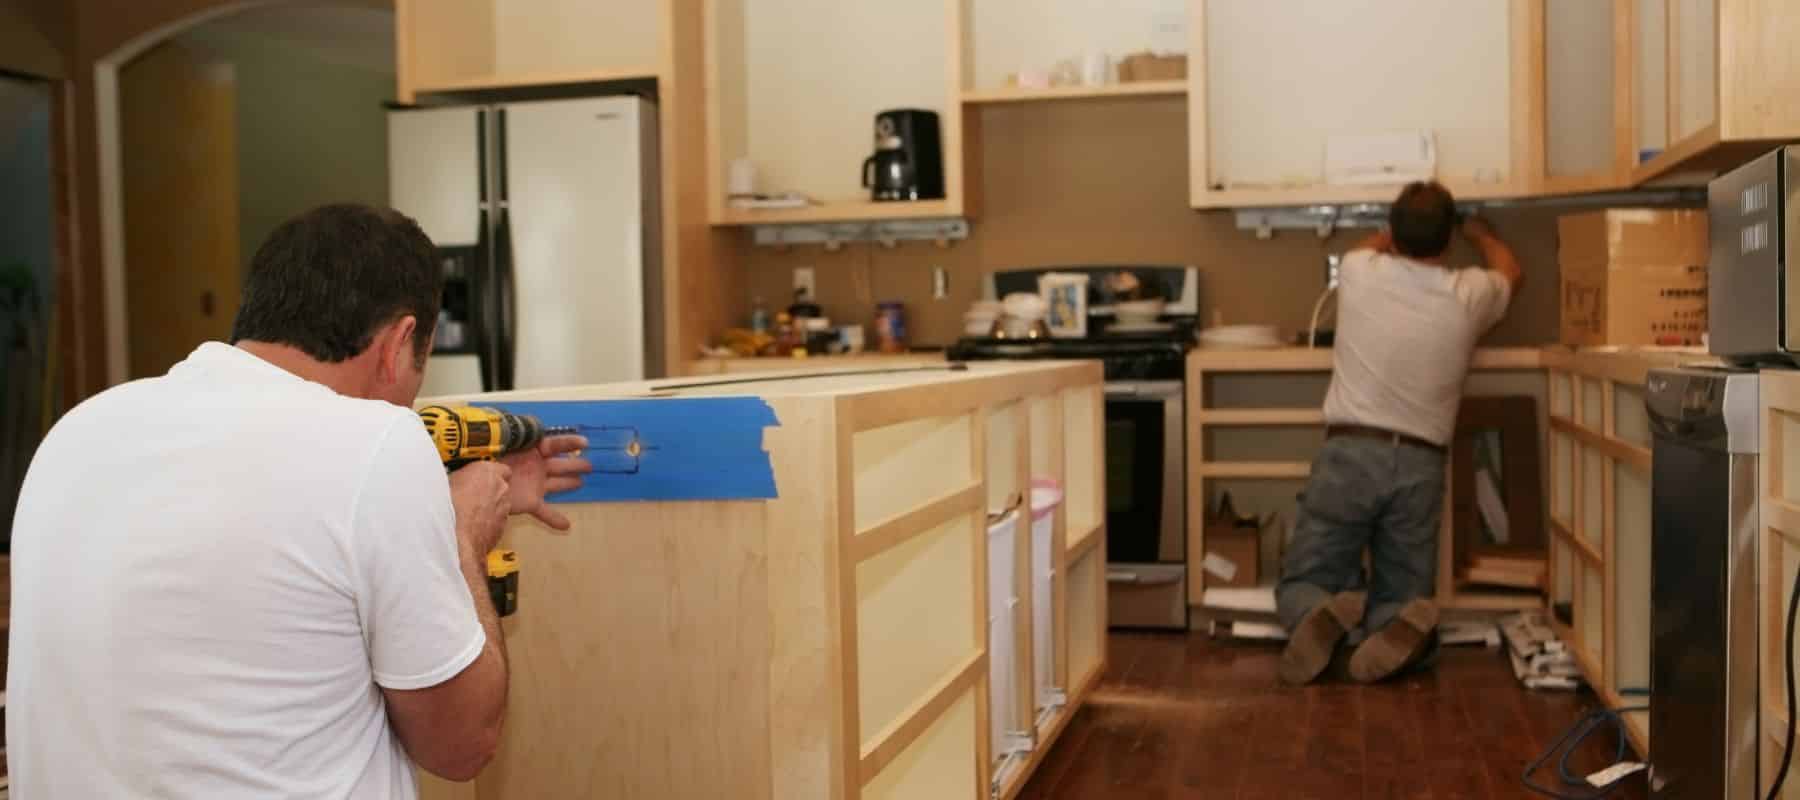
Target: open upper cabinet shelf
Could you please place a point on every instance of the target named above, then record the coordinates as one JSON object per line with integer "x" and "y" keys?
{"x": 1012, "y": 94}
{"x": 852, "y": 211}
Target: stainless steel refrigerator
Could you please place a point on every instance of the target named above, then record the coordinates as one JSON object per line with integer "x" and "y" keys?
{"x": 546, "y": 219}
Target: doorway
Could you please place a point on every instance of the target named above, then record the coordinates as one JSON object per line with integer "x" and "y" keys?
{"x": 227, "y": 129}
{"x": 27, "y": 265}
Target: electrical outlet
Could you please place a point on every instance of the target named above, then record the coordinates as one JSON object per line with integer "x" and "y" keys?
{"x": 805, "y": 284}
{"x": 940, "y": 283}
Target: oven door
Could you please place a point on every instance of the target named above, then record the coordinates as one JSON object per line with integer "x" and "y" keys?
{"x": 1144, "y": 476}
{"x": 1145, "y": 513}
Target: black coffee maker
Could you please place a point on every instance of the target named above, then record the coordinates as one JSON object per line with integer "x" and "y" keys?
{"x": 909, "y": 157}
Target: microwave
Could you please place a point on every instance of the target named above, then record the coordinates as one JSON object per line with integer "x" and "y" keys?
{"x": 1753, "y": 286}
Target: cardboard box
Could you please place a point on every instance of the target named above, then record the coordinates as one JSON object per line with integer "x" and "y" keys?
{"x": 1233, "y": 554}
{"x": 1233, "y": 558}
{"x": 1633, "y": 277}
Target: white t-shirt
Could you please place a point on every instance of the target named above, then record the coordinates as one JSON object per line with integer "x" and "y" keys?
{"x": 212, "y": 573}
{"x": 1405, "y": 333}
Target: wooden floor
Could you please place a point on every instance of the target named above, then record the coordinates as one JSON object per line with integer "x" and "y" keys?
{"x": 1187, "y": 717}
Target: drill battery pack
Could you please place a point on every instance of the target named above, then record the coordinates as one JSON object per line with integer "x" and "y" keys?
{"x": 503, "y": 581}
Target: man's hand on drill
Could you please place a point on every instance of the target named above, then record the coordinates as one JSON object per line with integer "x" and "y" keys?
{"x": 479, "y": 492}
{"x": 552, "y": 467}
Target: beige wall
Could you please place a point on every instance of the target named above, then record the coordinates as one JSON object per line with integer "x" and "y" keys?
{"x": 1106, "y": 181}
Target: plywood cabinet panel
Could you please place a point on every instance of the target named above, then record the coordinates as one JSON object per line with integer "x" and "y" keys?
{"x": 1579, "y": 88}
{"x": 1004, "y": 37}
{"x": 1282, "y": 75}
{"x": 768, "y": 649}
{"x": 797, "y": 84}
{"x": 574, "y": 36}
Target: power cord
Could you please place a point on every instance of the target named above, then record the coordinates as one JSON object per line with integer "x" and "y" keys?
{"x": 1787, "y": 750}
{"x": 1571, "y": 741}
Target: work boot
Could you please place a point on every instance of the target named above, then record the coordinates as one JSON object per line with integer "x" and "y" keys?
{"x": 1397, "y": 645}
{"x": 1312, "y": 642}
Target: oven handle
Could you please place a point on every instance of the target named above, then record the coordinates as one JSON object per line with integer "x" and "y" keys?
{"x": 1137, "y": 579}
{"x": 1132, "y": 389}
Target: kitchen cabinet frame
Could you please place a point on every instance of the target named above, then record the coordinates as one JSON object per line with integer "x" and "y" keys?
{"x": 1526, "y": 127}
{"x": 1778, "y": 551}
{"x": 1203, "y": 415}
{"x": 829, "y": 644}
{"x": 1596, "y": 410}
{"x": 722, "y": 31}
{"x": 1755, "y": 75}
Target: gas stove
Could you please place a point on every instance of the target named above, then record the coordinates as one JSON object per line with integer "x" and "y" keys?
{"x": 1126, "y": 356}
{"x": 1135, "y": 357}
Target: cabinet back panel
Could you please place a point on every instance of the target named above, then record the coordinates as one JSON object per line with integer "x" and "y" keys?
{"x": 1279, "y": 82}
{"x": 800, "y": 82}
{"x": 1006, "y": 36}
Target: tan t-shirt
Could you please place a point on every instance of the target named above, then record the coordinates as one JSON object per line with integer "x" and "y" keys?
{"x": 1405, "y": 333}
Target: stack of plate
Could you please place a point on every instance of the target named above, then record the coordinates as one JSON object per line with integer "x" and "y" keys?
{"x": 1241, "y": 337}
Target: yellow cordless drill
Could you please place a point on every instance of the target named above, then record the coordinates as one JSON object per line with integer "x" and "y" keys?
{"x": 465, "y": 434}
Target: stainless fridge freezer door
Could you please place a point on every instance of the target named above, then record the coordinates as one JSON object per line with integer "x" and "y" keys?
{"x": 577, "y": 220}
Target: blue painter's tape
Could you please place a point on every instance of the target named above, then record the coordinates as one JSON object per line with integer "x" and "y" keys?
{"x": 697, "y": 448}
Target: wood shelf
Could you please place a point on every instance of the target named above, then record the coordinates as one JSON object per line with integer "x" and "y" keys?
{"x": 1326, "y": 194}
{"x": 1259, "y": 417}
{"x": 526, "y": 81}
{"x": 1013, "y": 94}
{"x": 1704, "y": 151}
{"x": 1255, "y": 470}
{"x": 851, "y": 211}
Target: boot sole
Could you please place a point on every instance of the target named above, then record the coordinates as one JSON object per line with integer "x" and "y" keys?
{"x": 1395, "y": 646}
{"x": 1316, "y": 638}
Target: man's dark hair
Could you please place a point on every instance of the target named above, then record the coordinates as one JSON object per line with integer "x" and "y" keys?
{"x": 324, "y": 281}
{"x": 1422, "y": 219}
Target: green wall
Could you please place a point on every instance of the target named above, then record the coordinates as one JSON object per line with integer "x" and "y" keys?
{"x": 309, "y": 132}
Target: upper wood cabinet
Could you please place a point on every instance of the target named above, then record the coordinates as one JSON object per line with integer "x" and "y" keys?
{"x": 794, "y": 89}
{"x": 1581, "y": 59}
{"x": 1713, "y": 83}
{"x": 1272, "y": 80}
{"x": 445, "y": 46}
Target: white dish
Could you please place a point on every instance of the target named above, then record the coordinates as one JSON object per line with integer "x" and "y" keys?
{"x": 1140, "y": 327}
{"x": 1138, "y": 310}
{"x": 1025, "y": 306}
{"x": 1241, "y": 337}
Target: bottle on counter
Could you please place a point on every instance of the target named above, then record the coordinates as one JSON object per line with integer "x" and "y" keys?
{"x": 890, "y": 327}
{"x": 759, "y": 317}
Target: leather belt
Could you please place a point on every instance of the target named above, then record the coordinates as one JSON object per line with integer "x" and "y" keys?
{"x": 1382, "y": 434}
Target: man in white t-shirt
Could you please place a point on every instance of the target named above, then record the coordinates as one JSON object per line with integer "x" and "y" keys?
{"x": 1407, "y": 326}
{"x": 250, "y": 577}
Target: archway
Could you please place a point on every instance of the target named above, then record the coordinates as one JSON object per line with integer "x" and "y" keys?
{"x": 115, "y": 202}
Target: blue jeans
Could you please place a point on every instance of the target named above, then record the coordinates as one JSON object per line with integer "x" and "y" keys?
{"x": 1384, "y": 497}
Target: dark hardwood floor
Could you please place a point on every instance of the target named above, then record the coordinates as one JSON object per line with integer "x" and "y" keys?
{"x": 1187, "y": 717}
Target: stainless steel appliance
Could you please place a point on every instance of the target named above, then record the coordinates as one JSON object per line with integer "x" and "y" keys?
{"x": 1703, "y": 583}
{"x": 909, "y": 157}
{"x": 1146, "y": 458}
{"x": 546, "y": 217}
{"x": 1752, "y": 285}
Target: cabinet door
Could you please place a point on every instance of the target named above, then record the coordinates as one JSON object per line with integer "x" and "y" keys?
{"x": 1693, "y": 82}
{"x": 1281, "y": 77}
{"x": 1580, "y": 109}
{"x": 1650, "y": 77}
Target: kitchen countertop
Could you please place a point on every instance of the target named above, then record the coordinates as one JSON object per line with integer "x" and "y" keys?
{"x": 741, "y": 364}
{"x": 1314, "y": 359}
